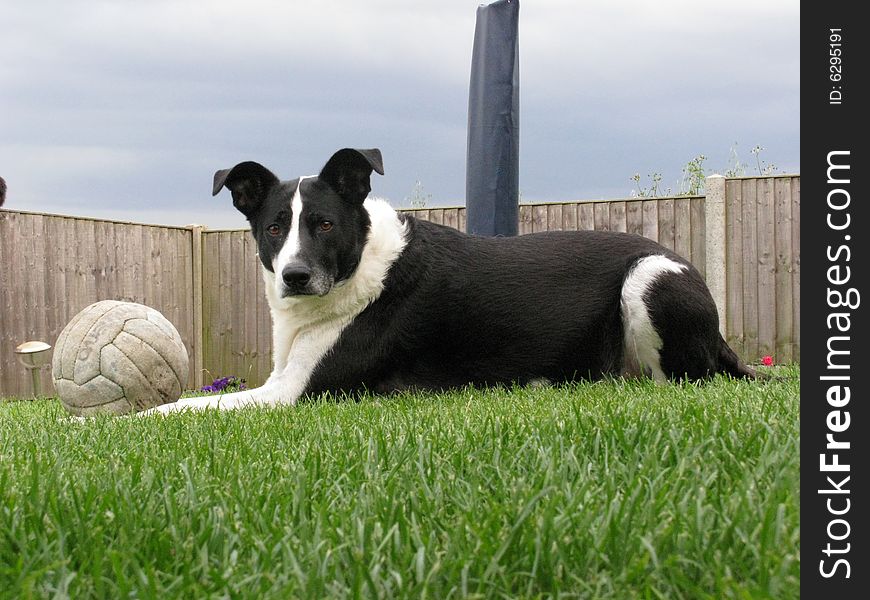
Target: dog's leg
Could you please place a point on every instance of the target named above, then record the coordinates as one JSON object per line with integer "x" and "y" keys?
{"x": 282, "y": 342}
{"x": 217, "y": 401}
{"x": 284, "y": 387}
{"x": 284, "y": 327}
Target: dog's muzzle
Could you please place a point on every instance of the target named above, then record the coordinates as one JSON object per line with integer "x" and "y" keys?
{"x": 301, "y": 280}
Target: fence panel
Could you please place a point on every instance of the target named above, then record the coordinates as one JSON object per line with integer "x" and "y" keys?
{"x": 236, "y": 320}
{"x": 763, "y": 267}
{"x": 53, "y": 266}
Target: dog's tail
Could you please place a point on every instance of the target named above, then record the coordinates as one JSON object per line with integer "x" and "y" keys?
{"x": 730, "y": 363}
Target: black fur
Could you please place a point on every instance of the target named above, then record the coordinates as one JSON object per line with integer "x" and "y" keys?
{"x": 460, "y": 309}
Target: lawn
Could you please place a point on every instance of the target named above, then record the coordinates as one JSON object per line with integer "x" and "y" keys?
{"x": 608, "y": 490}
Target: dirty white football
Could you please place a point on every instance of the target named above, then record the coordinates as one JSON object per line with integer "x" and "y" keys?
{"x": 118, "y": 357}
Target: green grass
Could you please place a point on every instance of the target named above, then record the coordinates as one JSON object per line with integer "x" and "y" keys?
{"x": 608, "y": 490}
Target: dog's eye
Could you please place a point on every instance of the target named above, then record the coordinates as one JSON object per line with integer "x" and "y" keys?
{"x": 273, "y": 229}
{"x": 326, "y": 226}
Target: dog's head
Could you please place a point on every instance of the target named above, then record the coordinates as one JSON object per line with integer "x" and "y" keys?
{"x": 310, "y": 231}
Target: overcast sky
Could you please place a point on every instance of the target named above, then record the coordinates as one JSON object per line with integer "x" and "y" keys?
{"x": 125, "y": 109}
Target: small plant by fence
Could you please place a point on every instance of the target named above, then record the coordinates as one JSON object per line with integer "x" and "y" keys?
{"x": 743, "y": 236}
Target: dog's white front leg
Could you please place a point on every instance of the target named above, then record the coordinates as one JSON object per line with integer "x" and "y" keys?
{"x": 281, "y": 345}
{"x": 217, "y": 401}
{"x": 284, "y": 387}
{"x": 284, "y": 325}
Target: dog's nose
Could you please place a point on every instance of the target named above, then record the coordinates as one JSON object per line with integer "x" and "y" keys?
{"x": 296, "y": 276}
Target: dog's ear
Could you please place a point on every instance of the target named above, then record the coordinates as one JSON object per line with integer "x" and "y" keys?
{"x": 349, "y": 170}
{"x": 249, "y": 183}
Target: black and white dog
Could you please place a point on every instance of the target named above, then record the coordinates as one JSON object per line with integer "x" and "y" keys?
{"x": 364, "y": 298}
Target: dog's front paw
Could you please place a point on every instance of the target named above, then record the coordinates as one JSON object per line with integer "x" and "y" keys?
{"x": 163, "y": 409}
{"x": 202, "y": 403}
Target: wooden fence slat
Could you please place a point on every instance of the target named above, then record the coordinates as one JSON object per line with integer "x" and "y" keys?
{"x": 148, "y": 263}
{"x": 651, "y": 219}
{"x": 38, "y": 273}
{"x": 113, "y": 273}
{"x": 749, "y": 193}
{"x": 526, "y": 216}
{"x": 139, "y": 266}
{"x": 187, "y": 298}
{"x": 49, "y": 328}
{"x": 666, "y": 223}
{"x": 211, "y": 303}
{"x": 99, "y": 266}
{"x": 554, "y": 217}
{"x": 25, "y": 248}
{"x": 175, "y": 279}
{"x": 451, "y": 217}
{"x": 16, "y": 300}
{"x": 683, "y": 228}
{"x": 41, "y": 275}
{"x": 235, "y": 318}
{"x": 247, "y": 262}
{"x": 36, "y": 313}
{"x": 129, "y": 263}
{"x": 586, "y": 217}
{"x": 237, "y": 347}
{"x": 75, "y": 277}
{"x": 766, "y": 268}
{"x": 55, "y": 298}
{"x": 8, "y": 381}
{"x": 245, "y": 351}
{"x": 796, "y": 267}
{"x": 569, "y": 217}
{"x": 617, "y": 216}
{"x": 783, "y": 269}
{"x": 634, "y": 217}
{"x": 539, "y": 218}
{"x": 135, "y": 264}
{"x": 20, "y": 291}
{"x": 734, "y": 266}
{"x": 699, "y": 233}
{"x": 121, "y": 252}
{"x": 601, "y": 215}
{"x": 232, "y": 329}
{"x": 264, "y": 326}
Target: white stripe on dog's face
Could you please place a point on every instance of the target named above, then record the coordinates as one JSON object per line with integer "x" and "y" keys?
{"x": 290, "y": 248}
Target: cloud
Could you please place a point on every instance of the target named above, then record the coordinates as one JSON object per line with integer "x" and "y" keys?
{"x": 123, "y": 105}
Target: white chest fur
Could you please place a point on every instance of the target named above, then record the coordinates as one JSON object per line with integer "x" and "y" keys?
{"x": 305, "y": 328}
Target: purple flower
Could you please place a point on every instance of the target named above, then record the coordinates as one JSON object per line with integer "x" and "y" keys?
{"x": 225, "y": 384}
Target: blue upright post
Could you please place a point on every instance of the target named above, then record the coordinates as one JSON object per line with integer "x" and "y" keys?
{"x": 492, "y": 167}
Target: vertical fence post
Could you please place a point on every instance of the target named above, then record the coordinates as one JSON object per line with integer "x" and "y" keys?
{"x": 714, "y": 208}
{"x": 196, "y": 257}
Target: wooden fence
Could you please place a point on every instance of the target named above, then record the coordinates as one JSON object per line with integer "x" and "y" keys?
{"x": 51, "y": 267}
{"x": 744, "y": 237}
{"x": 763, "y": 267}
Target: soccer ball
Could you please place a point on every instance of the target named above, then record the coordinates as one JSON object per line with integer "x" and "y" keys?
{"x": 118, "y": 357}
